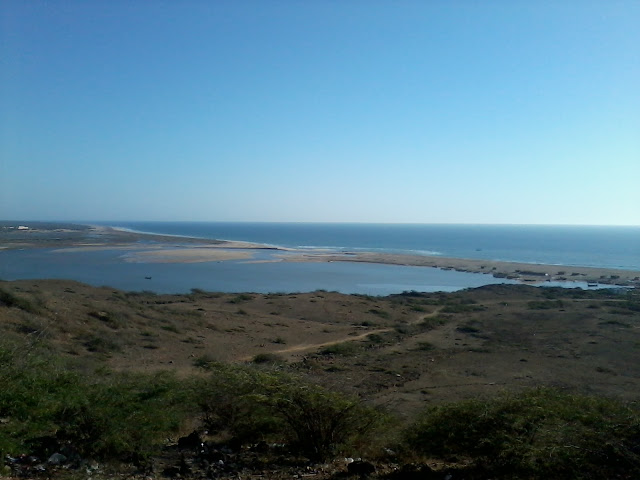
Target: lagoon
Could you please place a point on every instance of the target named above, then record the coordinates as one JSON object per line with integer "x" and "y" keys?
{"x": 109, "y": 267}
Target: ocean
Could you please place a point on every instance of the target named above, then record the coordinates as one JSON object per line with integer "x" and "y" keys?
{"x": 609, "y": 247}
{"x": 588, "y": 246}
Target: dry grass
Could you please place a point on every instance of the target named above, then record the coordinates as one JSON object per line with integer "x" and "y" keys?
{"x": 400, "y": 350}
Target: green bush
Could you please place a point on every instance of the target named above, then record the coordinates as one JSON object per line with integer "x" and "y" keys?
{"x": 233, "y": 403}
{"x": 343, "y": 348}
{"x": 127, "y": 416}
{"x": 248, "y": 404}
{"x": 545, "y": 304}
{"x": 11, "y": 300}
{"x": 542, "y": 433}
{"x": 268, "y": 358}
{"x": 462, "y": 308}
{"x": 319, "y": 423}
{"x": 100, "y": 415}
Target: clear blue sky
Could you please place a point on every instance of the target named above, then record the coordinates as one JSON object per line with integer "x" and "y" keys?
{"x": 338, "y": 111}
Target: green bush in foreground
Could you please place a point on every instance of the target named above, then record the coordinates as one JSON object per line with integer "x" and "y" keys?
{"x": 248, "y": 403}
{"x": 117, "y": 416}
{"x": 542, "y": 433}
{"x": 125, "y": 416}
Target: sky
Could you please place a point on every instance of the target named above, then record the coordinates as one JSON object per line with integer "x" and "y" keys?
{"x": 507, "y": 112}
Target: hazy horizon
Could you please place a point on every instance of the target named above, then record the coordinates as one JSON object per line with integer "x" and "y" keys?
{"x": 114, "y": 223}
{"x": 510, "y": 113}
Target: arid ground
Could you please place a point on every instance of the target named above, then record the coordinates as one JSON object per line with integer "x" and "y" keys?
{"x": 401, "y": 350}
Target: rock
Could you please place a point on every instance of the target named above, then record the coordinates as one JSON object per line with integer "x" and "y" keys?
{"x": 56, "y": 459}
{"x": 361, "y": 467}
{"x": 261, "y": 447}
{"x": 171, "y": 472}
{"x": 416, "y": 472}
{"x": 190, "y": 442}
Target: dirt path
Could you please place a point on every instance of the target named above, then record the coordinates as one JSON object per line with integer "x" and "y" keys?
{"x": 306, "y": 347}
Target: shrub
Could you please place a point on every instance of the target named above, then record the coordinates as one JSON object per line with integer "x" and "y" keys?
{"x": 343, "y": 348}
{"x": 380, "y": 313}
{"x": 425, "y": 346}
{"x": 233, "y": 403}
{"x": 11, "y": 300}
{"x": 267, "y": 358}
{"x": 433, "y": 322}
{"x": 542, "y": 433}
{"x": 101, "y": 344}
{"x": 240, "y": 298}
{"x": 103, "y": 416}
{"x": 319, "y": 423}
{"x": 462, "y": 308}
{"x": 250, "y": 404}
{"x": 544, "y": 305}
{"x": 375, "y": 338}
{"x": 112, "y": 319}
{"x": 204, "y": 361}
{"x": 127, "y": 416}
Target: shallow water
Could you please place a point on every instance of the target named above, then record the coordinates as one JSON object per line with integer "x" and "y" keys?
{"x": 110, "y": 268}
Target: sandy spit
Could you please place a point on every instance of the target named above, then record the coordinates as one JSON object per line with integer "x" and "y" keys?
{"x": 526, "y": 272}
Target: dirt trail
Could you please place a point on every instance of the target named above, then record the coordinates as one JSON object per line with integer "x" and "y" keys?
{"x": 306, "y": 347}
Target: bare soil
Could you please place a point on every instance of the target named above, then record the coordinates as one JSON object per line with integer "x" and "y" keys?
{"x": 403, "y": 351}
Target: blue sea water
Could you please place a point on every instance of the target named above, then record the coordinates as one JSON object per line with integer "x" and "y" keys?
{"x": 611, "y": 247}
{"x": 589, "y": 246}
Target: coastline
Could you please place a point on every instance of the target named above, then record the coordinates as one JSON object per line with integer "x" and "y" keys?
{"x": 530, "y": 273}
{"x": 159, "y": 248}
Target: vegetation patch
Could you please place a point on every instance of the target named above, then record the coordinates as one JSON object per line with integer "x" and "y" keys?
{"x": 240, "y": 298}
{"x": 433, "y": 322}
{"x": 343, "y": 348}
{"x": 271, "y": 358}
{"x": 101, "y": 344}
{"x": 379, "y": 312}
{"x": 462, "y": 308}
{"x": 467, "y": 329}
{"x": 424, "y": 346}
{"x": 542, "y": 433}
{"x": 111, "y": 319}
{"x": 11, "y": 300}
{"x": 545, "y": 304}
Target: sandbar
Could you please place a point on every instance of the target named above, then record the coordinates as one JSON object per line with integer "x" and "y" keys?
{"x": 524, "y": 272}
{"x": 188, "y": 255}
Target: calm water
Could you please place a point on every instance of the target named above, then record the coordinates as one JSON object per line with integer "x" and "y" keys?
{"x": 616, "y": 247}
{"x": 108, "y": 268}
{"x": 608, "y": 247}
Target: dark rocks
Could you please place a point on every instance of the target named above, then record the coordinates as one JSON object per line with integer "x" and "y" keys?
{"x": 415, "y": 472}
{"x": 57, "y": 459}
{"x": 361, "y": 468}
{"x": 44, "y": 446}
{"x": 193, "y": 441}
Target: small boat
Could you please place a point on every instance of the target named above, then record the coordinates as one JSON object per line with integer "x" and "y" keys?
{"x": 147, "y": 278}
{"x": 592, "y": 284}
